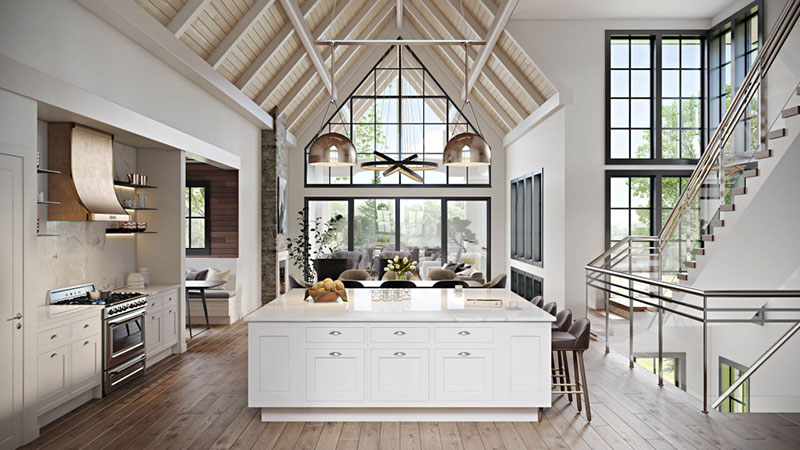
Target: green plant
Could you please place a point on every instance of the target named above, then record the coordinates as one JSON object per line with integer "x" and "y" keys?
{"x": 313, "y": 242}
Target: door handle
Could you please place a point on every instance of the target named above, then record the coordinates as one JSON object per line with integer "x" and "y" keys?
{"x": 464, "y": 333}
{"x": 335, "y": 333}
{"x": 17, "y": 317}
{"x": 399, "y": 354}
{"x": 399, "y": 333}
{"x": 334, "y": 354}
{"x": 463, "y": 353}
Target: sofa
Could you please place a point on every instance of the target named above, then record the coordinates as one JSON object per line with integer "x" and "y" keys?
{"x": 224, "y": 305}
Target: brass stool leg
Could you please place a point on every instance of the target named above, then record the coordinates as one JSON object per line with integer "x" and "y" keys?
{"x": 585, "y": 387}
{"x": 579, "y": 379}
{"x": 566, "y": 373}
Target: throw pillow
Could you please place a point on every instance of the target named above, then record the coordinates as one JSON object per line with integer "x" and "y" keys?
{"x": 197, "y": 274}
{"x": 215, "y": 275}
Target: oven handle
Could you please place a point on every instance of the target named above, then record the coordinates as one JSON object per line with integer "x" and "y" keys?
{"x": 124, "y": 319}
{"x": 132, "y": 362}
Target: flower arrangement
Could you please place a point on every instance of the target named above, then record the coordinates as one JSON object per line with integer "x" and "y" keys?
{"x": 401, "y": 267}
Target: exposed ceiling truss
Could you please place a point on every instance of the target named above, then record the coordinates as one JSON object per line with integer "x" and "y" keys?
{"x": 266, "y": 49}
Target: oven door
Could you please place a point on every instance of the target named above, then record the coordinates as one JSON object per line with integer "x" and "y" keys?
{"x": 124, "y": 338}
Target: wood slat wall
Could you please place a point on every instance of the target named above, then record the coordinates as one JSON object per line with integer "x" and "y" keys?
{"x": 223, "y": 198}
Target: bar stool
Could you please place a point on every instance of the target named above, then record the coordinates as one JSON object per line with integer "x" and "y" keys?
{"x": 576, "y": 340}
{"x": 562, "y": 323}
{"x": 550, "y": 308}
{"x": 537, "y": 301}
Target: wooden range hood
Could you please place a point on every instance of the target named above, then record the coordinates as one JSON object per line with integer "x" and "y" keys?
{"x": 85, "y": 186}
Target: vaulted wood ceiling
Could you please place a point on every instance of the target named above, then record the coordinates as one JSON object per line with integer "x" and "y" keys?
{"x": 253, "y": 44}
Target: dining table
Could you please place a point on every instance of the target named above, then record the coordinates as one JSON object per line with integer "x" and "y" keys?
{"x": 374, "y": 284}
{"x": 199, "y": 286}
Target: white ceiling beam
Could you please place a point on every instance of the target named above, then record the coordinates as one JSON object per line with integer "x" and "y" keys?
{"x": 364, "y": 14}
{"x": 424, "y": 27}
{"x": 304, "y": 33}
{"x": 500, "y": 54}
{"x": 242, "y": 27}
{"x": 398, "y": 14}
{"x": 493, "y": 79}
{"x": 278, "y": 40}
{"x": 186, "y": 16}
{"x": 497, "y": 27}
{"x": 290, "y": 64}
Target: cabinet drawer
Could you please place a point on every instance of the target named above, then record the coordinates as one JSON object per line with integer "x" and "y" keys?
{"x": 399, "y": 375}
{"x": 335, "y": 334}
{"x": 170, "y": 300}
{"x": 399, "y": 334}
{"x": 85, "y": 327}
{"x": 155, "y": 302}
{"x": 464, "y": 375}
{"x": 53, "y": 337}
{"x": 335, "y": 374}
{"x": 465, "y": 334}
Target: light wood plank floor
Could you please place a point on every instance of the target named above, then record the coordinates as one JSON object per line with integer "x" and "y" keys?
{"x": 198, "y": 400}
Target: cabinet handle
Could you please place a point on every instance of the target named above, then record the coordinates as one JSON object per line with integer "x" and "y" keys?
{"x": 53, "y": 337}
{"x": 399, "y": 354}
{"x": 53, "y": 355}
{"x": 86, "y": 325}
{"x": 335, "y": 333}
{"x": 86, "y": 343}
{"x": 464, "y": 333}
{"x": 334, "y": 354}
{"x": 463, "y": 353}
{"x": 399, "y": 333}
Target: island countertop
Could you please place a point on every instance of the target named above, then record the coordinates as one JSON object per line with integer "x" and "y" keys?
{"x": 425, "y": 305}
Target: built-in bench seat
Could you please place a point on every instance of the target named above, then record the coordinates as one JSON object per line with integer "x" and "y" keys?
{"x": 224, "y": 306}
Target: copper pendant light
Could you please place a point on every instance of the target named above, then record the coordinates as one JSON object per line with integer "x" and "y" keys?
{"x": 467, "y": 149}
{"x": 332, "y": 149}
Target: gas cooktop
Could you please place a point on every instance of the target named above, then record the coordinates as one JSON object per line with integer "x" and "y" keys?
{"x": 115, "y": 297}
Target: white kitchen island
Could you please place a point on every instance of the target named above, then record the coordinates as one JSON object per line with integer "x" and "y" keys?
{"x": 434, "y": 357}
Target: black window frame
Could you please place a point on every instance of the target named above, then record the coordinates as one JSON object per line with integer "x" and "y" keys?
{"x": 525, "y": 284}
{"x": 397, "y": 221}
{"x": 656, "y": 37}
{"x": 206, "y": 218}
{"x": 451, "y": 109}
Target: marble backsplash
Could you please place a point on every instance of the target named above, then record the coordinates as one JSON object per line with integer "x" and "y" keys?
{"x": 83, "y": 253}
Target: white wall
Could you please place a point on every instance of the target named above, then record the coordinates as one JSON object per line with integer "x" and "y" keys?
{"x": 105, "y": 76}
{"x": 543, "y": 147}
{"x": 572, "y": 54}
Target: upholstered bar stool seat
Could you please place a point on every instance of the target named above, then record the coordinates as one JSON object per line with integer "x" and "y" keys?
{"x": 576, "y": 340}
{"x": 563, "y": 320}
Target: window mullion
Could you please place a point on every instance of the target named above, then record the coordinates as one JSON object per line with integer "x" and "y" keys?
{"x": 655, "y": 98}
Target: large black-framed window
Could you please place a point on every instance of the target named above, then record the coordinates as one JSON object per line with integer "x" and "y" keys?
{"x": 373, "y": 224}
{"x": 638, "y": 202}
{"x": 527, "y": 237}
{"x": 732, "y": 46}
{"x": 654, "y": 96}
{"x": 398, "y": 109}
{"x": 198, "y": 232}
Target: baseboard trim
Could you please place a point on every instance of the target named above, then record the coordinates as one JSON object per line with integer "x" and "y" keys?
{"x": 399, "y": 414}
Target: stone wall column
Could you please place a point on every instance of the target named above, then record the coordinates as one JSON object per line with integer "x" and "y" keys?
{"x": 274, "y": 165}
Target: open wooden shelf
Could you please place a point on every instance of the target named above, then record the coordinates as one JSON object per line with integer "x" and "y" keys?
{"x": 47, "y": 171}
{"x": 119, "y": 231}
{"x": 45, "y": 234}
{"x": 131, "y": 185}
{"x": 47, "y": 202}
{"x": 141, "y": 209}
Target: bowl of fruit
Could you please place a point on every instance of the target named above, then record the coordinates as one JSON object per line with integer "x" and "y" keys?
{"x": 327, "y": 290}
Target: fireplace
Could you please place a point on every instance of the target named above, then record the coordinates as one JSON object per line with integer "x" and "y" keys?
{"x": 282, "y": 272}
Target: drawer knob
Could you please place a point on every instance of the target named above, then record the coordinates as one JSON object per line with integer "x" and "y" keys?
{"x": 53, "y": 337}
{"x": 334, "y": 354}
{"x": 86, "y": 343}
{"x": 463, "y": 353}
{"x": 86, "y": 325}
{"x": 53, "y": 355}
{"x": 464, "y": 333}
{"x": 399, "y": 333}
{"x": 399, "y": 354}
{"x": 335, "y": 333}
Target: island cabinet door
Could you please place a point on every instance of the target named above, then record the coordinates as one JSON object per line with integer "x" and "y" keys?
{"x": 399, "y": 375}
{"x": 335, "y": 374}
{"x": 274, "y": 366}
{"x": 525, "y": 365}
{"x": 464, "y": 375}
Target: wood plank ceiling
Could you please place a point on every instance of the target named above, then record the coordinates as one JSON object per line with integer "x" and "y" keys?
{"x": 253, "y": 44}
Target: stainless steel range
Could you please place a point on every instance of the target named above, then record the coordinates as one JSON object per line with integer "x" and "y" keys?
{"x": 123, "y": 331}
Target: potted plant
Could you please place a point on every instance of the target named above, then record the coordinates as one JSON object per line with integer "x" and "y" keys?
{"x": 401, "y": 267}
{"x": 313, "y": 244}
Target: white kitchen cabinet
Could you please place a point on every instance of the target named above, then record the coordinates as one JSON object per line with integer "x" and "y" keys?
{"x": 274, "y": 365}
{"x": 70, "y": 353}
{"x": 464, "y": 375}
{"x": 153, "y": 332}
{"x": 54, "y": 377}
{"x": 162, "y": 324}
{"x": 335, "y": 375}
{"x": 399, "y": 375}
{"x": 170, "y": 327}
{"x": 87, "y": 363}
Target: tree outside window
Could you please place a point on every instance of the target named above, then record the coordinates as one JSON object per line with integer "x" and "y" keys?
{"x": 196, "y": 204}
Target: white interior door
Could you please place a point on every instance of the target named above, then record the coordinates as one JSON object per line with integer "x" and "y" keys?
{"x": 10, "y": 301}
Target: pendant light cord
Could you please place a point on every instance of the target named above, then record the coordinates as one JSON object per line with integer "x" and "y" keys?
{"x": 332, "y": 74}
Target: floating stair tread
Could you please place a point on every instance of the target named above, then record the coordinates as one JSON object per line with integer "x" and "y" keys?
{"x": 789, "y": 112}
{"x": 727, "y": 208}
{"x": 699, "y": 251}
{"x": 775, "y": 134}
{"x": 683, "y": 277}
{"x": 763, "y": 154}
{"x": 717, "y": 223}
{"x": 691, "y": 264}
{"x": 739, "y": 191}
{"x": 750, "y": 173}
{"x": 708, "y": 237}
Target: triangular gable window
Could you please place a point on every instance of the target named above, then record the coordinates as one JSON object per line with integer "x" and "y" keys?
{"x": 398, "y": 109}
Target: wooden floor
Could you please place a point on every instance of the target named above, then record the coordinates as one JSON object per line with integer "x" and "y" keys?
{"x": 198, "y": 400}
